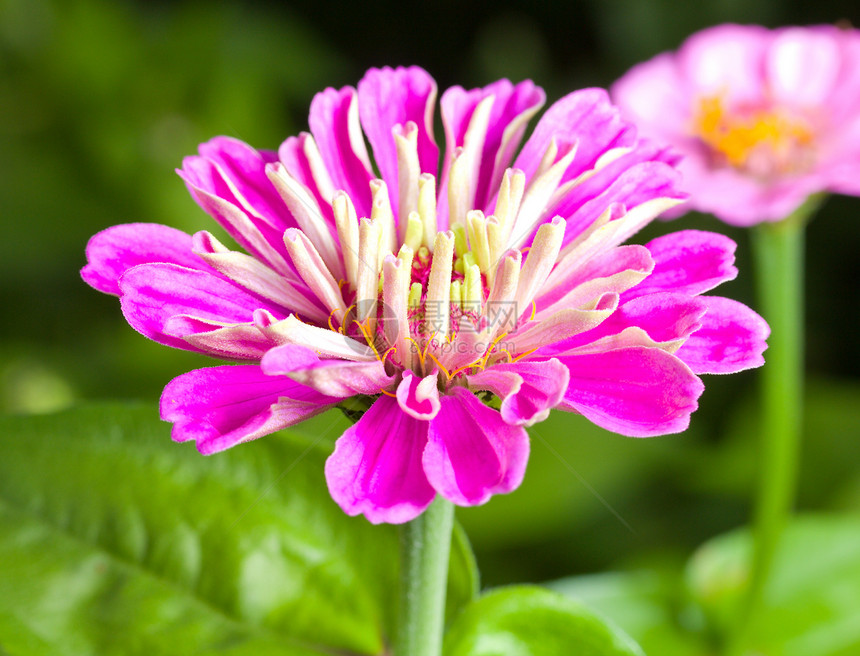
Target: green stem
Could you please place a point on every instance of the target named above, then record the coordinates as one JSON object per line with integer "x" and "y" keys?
{"x": 425, "y": 548}
{"x": 778, "y": 249}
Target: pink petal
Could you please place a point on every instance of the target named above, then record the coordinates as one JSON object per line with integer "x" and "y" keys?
{"x": 732, "y": 338}
{"x": 243, "y": 168}
{"x": 325, "y": 342}
{"x": 220, "y": 407}
{"x": 314, "y": 177}
{"x": 529, "y": 390}
{"x": 842, "y": 104}
{"x": 471, "y": 452}
{"x": 153, "y": 293}
{"x": 576, "y": 282}
{"x": 389, "y": 97}
{"x": 631, "y": 180}
{"x": 113, "y": 251}
{"x": 689, "y": 261}
{"x": 726, "y": 61}
{"x": 665, "y": 317}
{"x": 208, "y": 189}
{"x": 655, "y": 97}
{"x": 376, "y": 468}
{"x": 328, "y": 376}
{"x": 637, "y": 391}
{"x": 738, "y": 199}
{"x": 334, "y": 123}
{"x": 803, "y": 67}
{"x": 512, "y": 106}
{"x": 242, "y": 341}
{"x": 286, "y": 290}
{"x": 419, "y": 397}
{"x": 584, "y": 117}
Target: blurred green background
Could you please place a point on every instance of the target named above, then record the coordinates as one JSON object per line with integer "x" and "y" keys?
{"x": 101, "y": 99}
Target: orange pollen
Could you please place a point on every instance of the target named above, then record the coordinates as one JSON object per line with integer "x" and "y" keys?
{"x": 743, "y": 138}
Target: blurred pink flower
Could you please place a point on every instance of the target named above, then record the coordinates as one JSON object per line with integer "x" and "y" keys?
{"x": 763, "y": 118}
{"x": 425, "y": 297}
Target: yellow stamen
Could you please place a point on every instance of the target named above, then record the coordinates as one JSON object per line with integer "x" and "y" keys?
{"x": 739, "y": 136}
{"x": 331, "y": 327}
{"x": 475, "y": 363}
{"x": 489, "y": 351}
{"x": 342, "y": 329}
{"x": 367, "y": 338}
{"x": 421, "y": 356}
{"x": 385, "y": 355}
{"x": 523, "y": 355}
{"x": 438, "y": 364}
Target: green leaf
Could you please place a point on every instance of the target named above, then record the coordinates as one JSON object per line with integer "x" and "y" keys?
{"x": 649, "y": 605}
{"x": 532, "y": 621}
{"x": 114, "y": 540}
{"x": 812, "y": 603}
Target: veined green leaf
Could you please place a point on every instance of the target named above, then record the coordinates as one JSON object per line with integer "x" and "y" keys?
{"x": 114, "y": 540}
{"x": 532, "y": 621}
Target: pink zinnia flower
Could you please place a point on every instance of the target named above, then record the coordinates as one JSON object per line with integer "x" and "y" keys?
{"x": 764, "y": 118}
{"x": 421, "y": 298}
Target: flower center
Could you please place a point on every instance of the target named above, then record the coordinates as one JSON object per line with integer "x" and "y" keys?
{"x": 442, "y": 300}
{"x": 762, "y": 142}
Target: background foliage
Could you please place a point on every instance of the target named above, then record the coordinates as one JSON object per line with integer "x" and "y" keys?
{"x": 101, "y": 99}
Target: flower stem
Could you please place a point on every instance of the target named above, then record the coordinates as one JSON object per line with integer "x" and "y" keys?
{"x": 778, "y": 249}
{"x": 425, "y": 547}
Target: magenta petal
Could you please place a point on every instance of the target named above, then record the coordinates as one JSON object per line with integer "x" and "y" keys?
{"x": 633, "y": 179}
{"x": 512, "y": 104}
{"x": 111, "y": 252}
{"x": 664, "y": 317}
{"x": 242, "y": 341}
{"x": 153, "y": 293}
{"x": 636, "y": 391}
{"x": 328, "y": 376}
{"x": 388, "y": 97}
{"x": 689, "y": 261}
{"x": 529, "y": 390}
{"x": 419, "y": 397}
{"x": 471, "y": 452}
{"x": 376, "y": 467}
{"x": 286, "y": 358}
{"x": 584, "y": 117}
{"x": 565, "y": 280}
{"x": 334, "y": 123}
{"x": 228, "y": 180}
{"x": 291, "y": 154}
{"x": 215, "y": 197}
{"x": 220, "y": 407}
{"x": 732, "y": 338}
{"x": 244, "y": 170}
